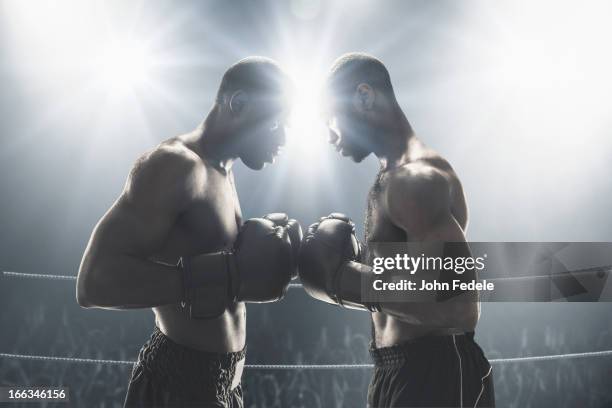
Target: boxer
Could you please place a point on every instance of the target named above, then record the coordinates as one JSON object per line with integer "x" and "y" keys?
{"x": 174, "y": 241}
{"x": 424, "y": 350}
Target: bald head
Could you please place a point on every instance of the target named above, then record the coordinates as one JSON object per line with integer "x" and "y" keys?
{"x": 251, "y": 111}
{"x": 360, "y": 105}
{"x": 355, "y": 68}
{"x": 254, "y": 75}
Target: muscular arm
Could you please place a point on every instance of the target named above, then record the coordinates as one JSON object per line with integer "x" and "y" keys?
{"x": 116, "y": 272}
{"x": 418, "y": 201}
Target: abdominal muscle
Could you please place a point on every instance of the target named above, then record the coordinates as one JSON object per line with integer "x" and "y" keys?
{"x": 199, "y": 234}
{"x": 390, "y": 331}
{"x": 226, "y": 333}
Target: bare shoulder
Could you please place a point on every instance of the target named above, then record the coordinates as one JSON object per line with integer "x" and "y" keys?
{"x": 416, "y": 196}
{"x": 458, "y": 201}
{"x": 169, "y": 167}
{"x": 418, "y": 180}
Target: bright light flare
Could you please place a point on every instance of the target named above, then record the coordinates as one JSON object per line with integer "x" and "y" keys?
{"x": 125, "y": 65}
{"x": 307, "y": 128}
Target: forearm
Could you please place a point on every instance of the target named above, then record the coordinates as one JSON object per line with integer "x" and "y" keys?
{"x": 421, "y": 307}
{"x": 126, "y": 282}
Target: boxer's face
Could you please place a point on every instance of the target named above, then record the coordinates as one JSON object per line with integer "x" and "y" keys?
{"x": 350, "y": 131}
{"x": 262, "y": 131}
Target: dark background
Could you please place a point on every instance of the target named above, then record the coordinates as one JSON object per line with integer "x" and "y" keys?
{"x": 515, "y": 94}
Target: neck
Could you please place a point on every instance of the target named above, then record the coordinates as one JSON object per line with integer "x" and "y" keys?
{"x": 395, "y": 146}
{"x": 212, "y": 142}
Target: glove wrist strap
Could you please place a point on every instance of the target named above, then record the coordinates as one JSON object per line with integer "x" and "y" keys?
{"x": 206, "y": 285}
{"x": 353, "y": 287}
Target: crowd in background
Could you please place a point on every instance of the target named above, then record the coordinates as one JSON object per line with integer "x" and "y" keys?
{"x": 39, "y": 326}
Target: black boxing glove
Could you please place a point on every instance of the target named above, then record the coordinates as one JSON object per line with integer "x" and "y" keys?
{"x": 258, "y": 269}
{"x": 329, "y": 264}
{"x": 294, "y": 229}
{"x": 263, "y": 262}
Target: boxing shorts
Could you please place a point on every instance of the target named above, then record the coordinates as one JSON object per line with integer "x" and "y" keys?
{"x": 431, "y": 371}
{"x": 171, "y": 375}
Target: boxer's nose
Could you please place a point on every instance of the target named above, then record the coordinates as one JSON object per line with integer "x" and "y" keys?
{"x": 333, "y": 137}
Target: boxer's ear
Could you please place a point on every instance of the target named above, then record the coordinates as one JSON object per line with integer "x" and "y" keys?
{"x": 238, "y": 102}
{"x": 364, "y": 97}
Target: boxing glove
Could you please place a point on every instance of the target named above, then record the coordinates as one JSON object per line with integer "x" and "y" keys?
{"x": 329, "y": 264}
{"x": 294, "y": 229}
{"x": 257, "y": 269}
{"x": 263, "y": 262}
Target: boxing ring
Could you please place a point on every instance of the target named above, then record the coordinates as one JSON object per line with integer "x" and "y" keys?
{"x": 126, "y": 363}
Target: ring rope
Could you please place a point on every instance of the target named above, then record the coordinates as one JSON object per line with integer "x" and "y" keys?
{"x": 37, "y": 276}
{"x": 598, "y": 269}
{"x": 588, "y": 354}
{"x": 12, "y": 274}
{"x": 604, "y": 353}
{"x": 65, "y": 359}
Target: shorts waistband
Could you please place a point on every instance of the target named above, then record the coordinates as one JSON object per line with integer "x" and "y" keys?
{"x": 401, "y": 352}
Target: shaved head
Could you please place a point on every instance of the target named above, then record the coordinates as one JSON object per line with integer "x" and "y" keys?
{"x": 355, "y": 68}
{"x": 254, "y": 75}
{"x": 359, "y": 104}
{"x": 252, "y": 108}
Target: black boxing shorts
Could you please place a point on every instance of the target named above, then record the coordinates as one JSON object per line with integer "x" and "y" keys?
{"x": 171, "y": 375}
{"x": 432, "y": 371}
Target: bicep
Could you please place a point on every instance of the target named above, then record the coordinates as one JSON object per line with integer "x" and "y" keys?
{"x": 433, "y": 232}
{"x": 139, "y": 222}
{"x": 419, "y": 204}
{"x": 128, "y": 228}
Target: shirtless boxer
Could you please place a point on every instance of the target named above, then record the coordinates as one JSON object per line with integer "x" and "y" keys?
{"x": 424, "y": 351}
{"x": 174, "y": 241}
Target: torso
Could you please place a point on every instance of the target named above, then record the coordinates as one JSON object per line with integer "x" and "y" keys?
{"x": 388, "y": 330}
{"x": 210, "y": 224}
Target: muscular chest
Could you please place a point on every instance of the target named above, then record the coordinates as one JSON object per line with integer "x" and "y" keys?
{"x": 378, "y": 226}
{"x": 210, "y": 223}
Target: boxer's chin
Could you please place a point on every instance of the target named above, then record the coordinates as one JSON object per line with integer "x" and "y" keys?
{"x": 254, "y": 165}
{"x": 360, "y": 157}
{"x": 357, "y": 155}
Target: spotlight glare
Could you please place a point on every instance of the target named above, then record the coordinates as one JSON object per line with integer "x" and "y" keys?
{"x": 122, "y": 66}
{"x": 306, "y": 127}
{"x": 305, "y": 9}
